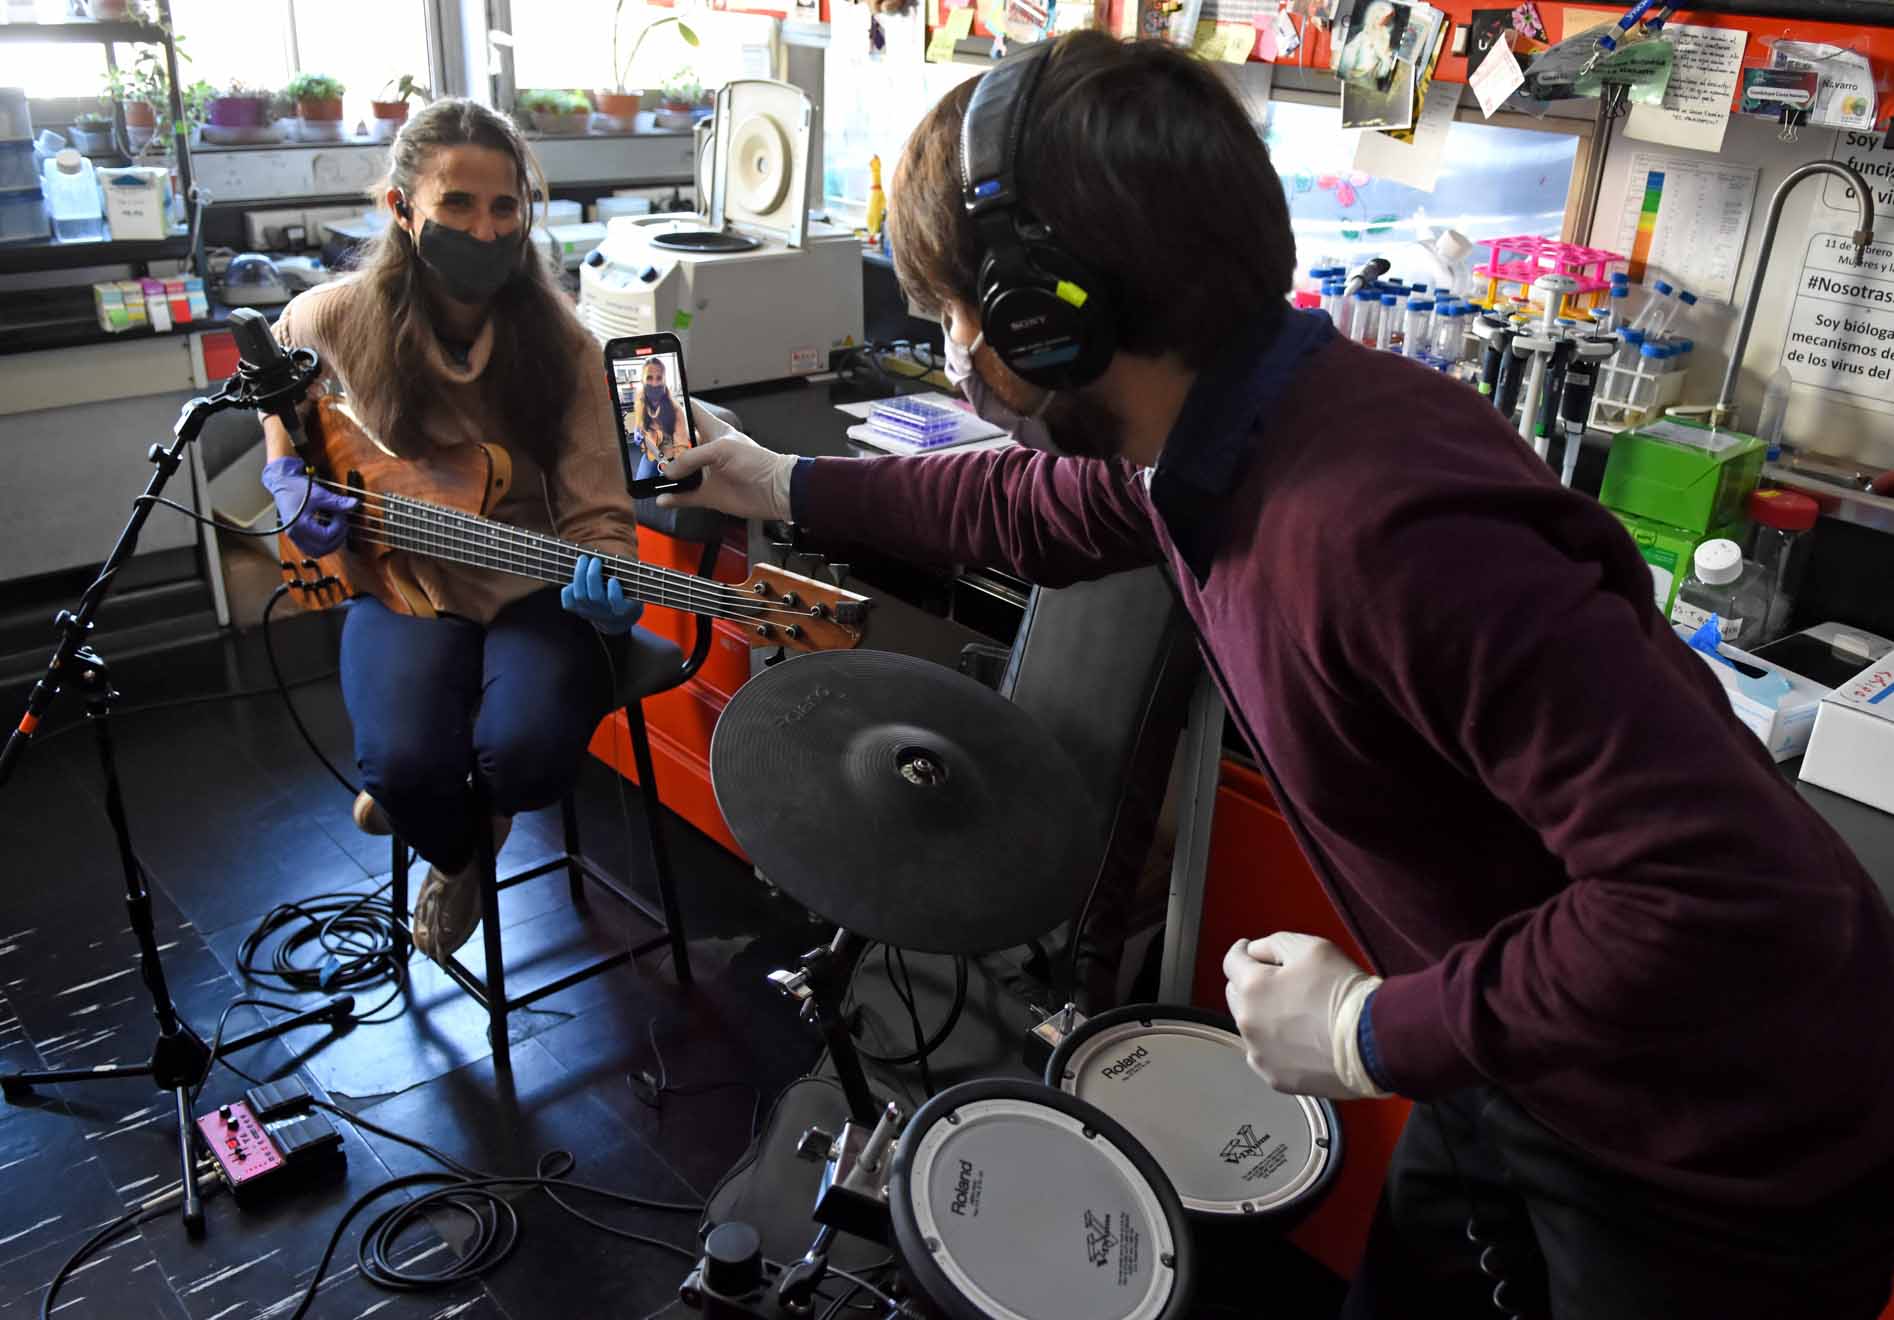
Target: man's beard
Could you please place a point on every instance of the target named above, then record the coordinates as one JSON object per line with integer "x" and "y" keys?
{"x": 1083, "y": 426}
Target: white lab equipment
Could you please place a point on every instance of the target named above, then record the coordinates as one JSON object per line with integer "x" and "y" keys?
{"x": 72, "y": 196}
{"x": 1724, "y": 584}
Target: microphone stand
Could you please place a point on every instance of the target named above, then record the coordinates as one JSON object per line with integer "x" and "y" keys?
{"x": 180, "y": 1059}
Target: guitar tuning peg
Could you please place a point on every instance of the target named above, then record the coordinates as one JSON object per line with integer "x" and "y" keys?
{"x": 838, "y": 573}
{"x": 775, "y": 659}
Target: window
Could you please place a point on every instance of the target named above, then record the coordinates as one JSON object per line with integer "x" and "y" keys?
{"x": 1494, "y": 181}
{"x": 569, "y": 45}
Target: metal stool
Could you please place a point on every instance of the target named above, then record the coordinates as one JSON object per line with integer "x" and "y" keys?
{"x": 655, "y": 665}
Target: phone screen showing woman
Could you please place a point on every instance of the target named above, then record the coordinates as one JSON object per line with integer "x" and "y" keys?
{"x": 653, "y": 411}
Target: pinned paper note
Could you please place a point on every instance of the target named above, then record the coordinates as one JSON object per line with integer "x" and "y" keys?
{"x": 1235, "y": 41}
{"x": 1416, "y": 163}
{"x": 957, "y": 27}
{"x": 1845, "y": 98}
{"x": 1696, "y": 108}
{"x": 1498, "y": 76}
{"x": 1208, "y": 42}
{"x": 1288, "y": 36}
{"x": 1264, "y": 21}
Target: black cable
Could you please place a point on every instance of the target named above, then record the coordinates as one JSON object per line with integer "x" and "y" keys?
{"x": 217, "y": 1042}
{"x": 130, "y": 1219}
{"x": 354, "y": 935}
{"x": 940, "y": 1035}
{"x": 914, "y": 1015}
{"x": 309, "y": 486}
{"x": 652, "y": 1090}
{"x": 269, "y": 650}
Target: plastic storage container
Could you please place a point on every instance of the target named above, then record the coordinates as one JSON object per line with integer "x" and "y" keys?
{"x": 1723, "y": 584}
{"x": 916, "y": 420}
{"x": 23, "y": 216}
{"x": 1783, "y": 520}
{"x": 72, "y": 195}
{"x": 17, "y": 165}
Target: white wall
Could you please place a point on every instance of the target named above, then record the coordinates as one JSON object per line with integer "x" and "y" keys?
{"x": 1817, "y": 419}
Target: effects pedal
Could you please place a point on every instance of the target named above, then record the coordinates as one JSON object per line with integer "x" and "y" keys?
{"x": 272, "y": 1141}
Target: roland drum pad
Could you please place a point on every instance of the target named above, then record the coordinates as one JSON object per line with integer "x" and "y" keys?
{"x": 1178, "y": 1080}
{"x": 1011, "y": 1200}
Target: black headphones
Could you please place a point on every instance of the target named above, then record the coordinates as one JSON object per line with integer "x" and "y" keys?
{"x": 1048, "y": 318}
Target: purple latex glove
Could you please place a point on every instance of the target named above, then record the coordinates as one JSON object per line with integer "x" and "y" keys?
{"x": 324, "y": 524}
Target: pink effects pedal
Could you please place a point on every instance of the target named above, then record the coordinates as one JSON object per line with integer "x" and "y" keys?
{"x": 243, "y": 1148}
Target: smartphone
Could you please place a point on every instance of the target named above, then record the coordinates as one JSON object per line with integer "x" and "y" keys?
{"x": 645, "y": 374}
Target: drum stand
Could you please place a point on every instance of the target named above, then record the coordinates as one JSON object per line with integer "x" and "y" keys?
{"x": 179, "y": 1060}
{"x": 820, "y": 985}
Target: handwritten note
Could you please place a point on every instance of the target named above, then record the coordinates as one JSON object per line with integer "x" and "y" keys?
{"x": 1498, "y": 76}
{"x": 1696, "y": 106}
{"x": 958, "y": 27}
{"x": 1235, "y": 41}
{"x": 1416, "y": 163}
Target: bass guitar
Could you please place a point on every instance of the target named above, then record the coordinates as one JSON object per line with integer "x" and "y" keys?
{"x": 439, "y": 509}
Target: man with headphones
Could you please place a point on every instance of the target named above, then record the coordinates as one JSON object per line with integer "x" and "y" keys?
{"x": 1638, "y": 986}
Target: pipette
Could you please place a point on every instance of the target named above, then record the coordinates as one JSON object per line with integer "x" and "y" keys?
{"x": 1541, "y": 342}
{"x": 1581, "y": 381}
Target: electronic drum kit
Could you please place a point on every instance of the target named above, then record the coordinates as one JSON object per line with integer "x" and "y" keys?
{"x": 910, "y": 805}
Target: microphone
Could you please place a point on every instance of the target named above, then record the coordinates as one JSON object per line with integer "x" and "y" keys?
{"x": 1370, "y": 271}
{"x": 273, "y": 381}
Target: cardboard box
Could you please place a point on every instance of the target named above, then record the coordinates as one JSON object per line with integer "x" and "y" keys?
{"x": 1852, "y": 748}
{"x": 1783, "y": 720}
{"x": 134, "y": 201}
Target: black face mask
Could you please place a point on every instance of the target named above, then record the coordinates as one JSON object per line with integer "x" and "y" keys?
{"x": 471, "y": 270}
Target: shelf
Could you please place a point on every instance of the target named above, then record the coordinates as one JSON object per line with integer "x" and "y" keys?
{"x": 16, "y": 258}
{"x": 81, "y": 30}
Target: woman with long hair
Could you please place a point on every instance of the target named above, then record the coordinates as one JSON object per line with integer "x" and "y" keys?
{"x": 451, "y": 333}
{"x": 660, "y": 421}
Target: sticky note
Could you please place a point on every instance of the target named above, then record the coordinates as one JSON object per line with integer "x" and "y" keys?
{"x": 682, "y": 321}
{"x": 1208, "y": 42}
{"x": 1235, "y": 41}
{"x": 958, "y": 27}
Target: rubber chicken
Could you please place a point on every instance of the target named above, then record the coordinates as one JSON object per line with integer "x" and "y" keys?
{"x": 877, "y": 200}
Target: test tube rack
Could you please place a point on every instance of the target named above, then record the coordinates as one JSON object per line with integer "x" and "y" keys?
{"x": 1523, "y": 259}
{"x": 1630, "y": 396}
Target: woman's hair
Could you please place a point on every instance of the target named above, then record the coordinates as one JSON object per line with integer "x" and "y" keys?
{"x": 531, "y": 376}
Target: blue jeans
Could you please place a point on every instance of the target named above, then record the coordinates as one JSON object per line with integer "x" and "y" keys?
{"x": 433, "y": 700}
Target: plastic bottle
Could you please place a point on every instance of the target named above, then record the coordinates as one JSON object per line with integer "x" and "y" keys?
{"x": 1721, "y": 583}
{"x": 1450, "y": 336}
{"x": 1367, "y": 317}
{"x": 1654, "y": 305}
{"x": 1782, "y": 521}
{"x": 1344, "y": 313}
{"x": 1393, "y": 332}
{"x": 1775, "y": 407}
{"x": 72, "y": 195}
{"x": 1420, "y": 313}
{"x": 1630, "y": 343}
{"x": 1644, "y": 388}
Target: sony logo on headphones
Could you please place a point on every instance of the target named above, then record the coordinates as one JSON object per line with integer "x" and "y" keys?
{"x": 1030, "y": 322}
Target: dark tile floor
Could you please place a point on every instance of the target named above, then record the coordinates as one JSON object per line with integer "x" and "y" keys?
{"x": 233, "y": 816}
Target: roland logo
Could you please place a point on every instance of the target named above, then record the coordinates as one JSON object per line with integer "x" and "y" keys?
{"x": 802, "y": 709}
{"x": 963, "y": 1189}
{"x": 1132, "y": 1062}
{"x": 1030, "y": 322}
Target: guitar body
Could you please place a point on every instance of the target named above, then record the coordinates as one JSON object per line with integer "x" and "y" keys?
{"x": 469, "y": 478}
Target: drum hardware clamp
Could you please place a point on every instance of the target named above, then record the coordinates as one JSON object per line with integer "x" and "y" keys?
{"x": 853, "y": 1195}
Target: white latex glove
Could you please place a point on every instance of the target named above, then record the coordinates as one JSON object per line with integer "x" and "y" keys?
{"x": 1297, "y": 1000}
{"x": 741, "y": 478}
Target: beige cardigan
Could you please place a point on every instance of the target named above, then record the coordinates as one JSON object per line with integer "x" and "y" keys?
{"x": 583, "y": 499}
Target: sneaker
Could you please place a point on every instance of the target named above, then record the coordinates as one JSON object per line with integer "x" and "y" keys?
{"x": 369, "y": 817}
{"x": 447, "y": 910}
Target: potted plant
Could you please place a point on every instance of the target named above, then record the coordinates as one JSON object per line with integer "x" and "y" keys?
{"x": 239, "y": 106}
{"x": 555, "y": 111}
{"x": 681, "y": 94}
{"x": 109, "y": 10}
{"x": 390, "y": 115}
{"x": 624, "y": 100}
{"x": 92, "y": 133}
{"x": 139, "y": 90}
{"x": 318, "y": 101}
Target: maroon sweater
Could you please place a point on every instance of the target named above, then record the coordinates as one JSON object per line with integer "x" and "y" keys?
{"x": 1584, "y": 880}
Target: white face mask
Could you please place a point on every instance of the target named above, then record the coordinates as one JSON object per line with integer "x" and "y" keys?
{"x": 1027, "y": 428}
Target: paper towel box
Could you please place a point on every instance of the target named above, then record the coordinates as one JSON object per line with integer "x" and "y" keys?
{"x": 1852, "y": 748}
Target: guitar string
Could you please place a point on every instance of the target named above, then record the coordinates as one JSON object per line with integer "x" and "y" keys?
{"x": 432, "y": 520}
{"x": 554, "y": 561}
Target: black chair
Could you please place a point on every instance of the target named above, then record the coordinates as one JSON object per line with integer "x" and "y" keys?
{"x": 653, "y": 665}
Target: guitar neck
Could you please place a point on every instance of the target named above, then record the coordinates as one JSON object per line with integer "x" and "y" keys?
{"x": 420, "y": 528}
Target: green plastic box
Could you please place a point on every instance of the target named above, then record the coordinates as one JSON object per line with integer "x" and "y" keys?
{"x": 1682, "y": 475}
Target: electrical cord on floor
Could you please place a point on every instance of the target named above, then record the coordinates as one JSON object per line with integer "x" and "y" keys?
{"x": 354, "y": 939}
{"x": 152, "y": 1207}
{"x": 269, "y": 651}
{"x": 177, "y": 703}
{"x": 651, "y": 1090}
